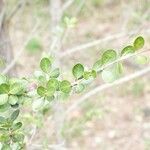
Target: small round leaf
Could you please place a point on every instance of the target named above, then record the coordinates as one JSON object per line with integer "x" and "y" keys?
{"x": 3, "y": 99}
{"x": 78, "y": 71}
{"x": 45, "y": 65}
{"x": 41, "y": 91}
{"x": 4, "y": 88}
{"x": 13, "y": 100}
{"x": 139, "y": 43}
{"x": 127, "y": 50}
{"x": 65, "y": 86}
{"x": 109, "y": 56}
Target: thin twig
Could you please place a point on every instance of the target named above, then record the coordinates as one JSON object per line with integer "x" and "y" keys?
{"x": 15, "y": 9}
{"x": 96, "y": 42}
{"x": 67, "y": 5}
{"x": 106, "y": 86}
{"x": 116, "y": 61}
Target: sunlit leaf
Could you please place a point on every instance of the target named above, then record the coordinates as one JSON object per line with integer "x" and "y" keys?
{"x": 41, "y": 91}
{"x": 16, "y": 88}
{"x": 45, "y": 65}
{"x": 78, "y": 71}
{"x": 3, "y": 99}
{"x": 128, "y": 50}
{"x": 55, "y": 73}
{"x": 108, "y": 76}
{"x": 109, "y": 56}
{"x": 53, "y": 83}
{"x": 93, "y": 73}
{"x": 139, "y": 43}
{"x": 3, "y": 79}
{"x": 65, "y": 86}
{"x": 79, "y": 88}
{"x": 4, "y": 88}
{"x": 97, "y": 65}
{"x": 37, "y": 104}
{"x": 87, "y": 75}
{"x": 13, "y": 99}
{"x": 142, "y": 60}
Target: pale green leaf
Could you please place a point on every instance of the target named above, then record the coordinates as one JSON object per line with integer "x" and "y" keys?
{"x": 55, "y": 73}
{"x": 41, "y": 91}
{"x": 12, "y": 99}
{"x": 78, "y": 71}
{"x": 3, "y": 99}
{"x": 16, "y": 88}
{"x": 45, "y": 65}
{"x": 139, "y": 43}
{"x": 65, "y": 86}
{"x": 4, "y": 88}
{"x": 128, "y": 50}
{"x": 109, "y": 56}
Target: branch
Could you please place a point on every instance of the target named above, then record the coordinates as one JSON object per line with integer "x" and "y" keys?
{"x": 96, "y": 42}
{"x": 116, "y": 61}
{"x": 15, "y": 9}
{"x": 67, "y": 5}
{"x": 100, "y": 88}
{"x": 13, "y": 62}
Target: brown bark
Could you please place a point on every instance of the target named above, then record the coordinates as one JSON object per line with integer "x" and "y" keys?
{"x": 6, "y": 52}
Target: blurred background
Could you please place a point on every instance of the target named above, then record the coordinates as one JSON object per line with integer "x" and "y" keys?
{"x": 79, "y": 31}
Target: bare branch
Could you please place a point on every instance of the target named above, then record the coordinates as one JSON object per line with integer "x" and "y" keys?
{"x": 13, "y": 62}
{"x": 67, "y": 5}
{"x": 96, "y": 42}
{"x": 15, "y": 9}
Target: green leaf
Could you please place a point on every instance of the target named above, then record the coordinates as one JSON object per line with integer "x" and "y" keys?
{"x": 87, "y": 75}
{"x": 127, "y": 50}
{"x": 4, "y": 107}
{"x": 113, "y": 73}
{"x": 14, "y": 115}
{"x": 142, "y": 60}
{"x": 53, "y": 83}
{"x": 93, "y": 73}
{"x": 45, "y": 65}
{"x": 4, "y": 88}
{"x": 17, "y": 126}
{"x": 139, "y": 43}
{"x": 13, "y": 100}
{"x": 34, "y": 45}
{"x": 2, "y": 120}
{"x": 3, "y": 99}
{"x": 79, "y": 88}
{"x": 65, "y": 86}
{"x": 41, "y": 91}
{"x": 55, "y": 73}
{"x": 109, "y": 56}
{"x": 97, "y": 65}
{"x": 37, "y": 104}
{"x": 16, "y": 88}
{"x": 3, "y": 79}
{"x": 78, "y": 71}
{"x": 50, "y": 91}
{"x": 18, "y": 137}
{"x": 108, "y": 76}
